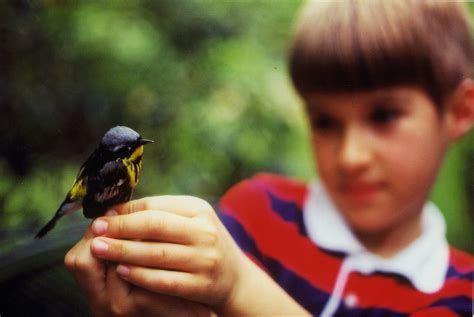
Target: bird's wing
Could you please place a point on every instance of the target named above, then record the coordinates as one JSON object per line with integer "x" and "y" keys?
{"x": 109, "y": 187}
{"x": 90, "y": 160}
{"x": 115, "y": 179}
{"x": 79, "y": 188}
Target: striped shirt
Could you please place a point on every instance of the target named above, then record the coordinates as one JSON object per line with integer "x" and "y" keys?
{"x": 270, "y": 217}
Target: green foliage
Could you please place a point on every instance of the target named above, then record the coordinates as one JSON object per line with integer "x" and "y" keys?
{"x": 206, "y": 79}
{"x": 453, "y": 193}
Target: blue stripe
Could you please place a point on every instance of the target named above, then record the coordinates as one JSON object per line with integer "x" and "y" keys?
{"x": 300, "y": 289}
{"x": 458, "y": 305}
{"x": 461, "y": 305}
{"x": 289, "y": 211}
{"x": 344, "y": 311}
{"x": 453, "y": 273}
{"x": 311, "y": 298}
{"x": 240, "y": 236}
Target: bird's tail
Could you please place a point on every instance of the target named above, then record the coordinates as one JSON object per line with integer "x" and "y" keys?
{"x": 68, "y": 206}
{"x": 50, "y": 225}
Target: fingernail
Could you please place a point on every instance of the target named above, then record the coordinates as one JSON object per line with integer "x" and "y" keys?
{"x": 111, "y": 213}
{"x": 99, "y": 227}
{"x": 123, "y": 270}
{"x": 99, "y": 246}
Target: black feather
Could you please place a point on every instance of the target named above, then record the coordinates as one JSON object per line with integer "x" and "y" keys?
{"x": 103, "y": 179}
{"x": 50, "y": 225}
{"x": 110, "y": 187}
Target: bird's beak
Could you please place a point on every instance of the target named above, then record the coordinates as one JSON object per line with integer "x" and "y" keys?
{"x": 145, "y": 141}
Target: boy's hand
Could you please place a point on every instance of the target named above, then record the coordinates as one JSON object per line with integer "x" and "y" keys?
{"x": 172, "y": 253}
{"x": 109, "y": 295}
{"x": 172, "y": 245}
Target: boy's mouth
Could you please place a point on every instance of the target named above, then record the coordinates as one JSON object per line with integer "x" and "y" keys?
{"x": 361, "y": 191}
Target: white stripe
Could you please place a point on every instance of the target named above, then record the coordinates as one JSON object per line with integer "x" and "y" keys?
{"x": 336, "y": 296}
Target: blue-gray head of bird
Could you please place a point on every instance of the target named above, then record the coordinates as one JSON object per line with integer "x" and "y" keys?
{"x": 122, "y": 140}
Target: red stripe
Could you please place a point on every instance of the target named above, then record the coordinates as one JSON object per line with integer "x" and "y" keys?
{"x": 461, "y": 261}
{"x": 250, "y": 206}
{"x": 373, "y": 290}
{"x": 284, "y": 188}
{"x": 248, "y": 203}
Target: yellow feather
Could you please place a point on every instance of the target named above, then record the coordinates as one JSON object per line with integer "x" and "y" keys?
{"x": 78, "y": 189}
{"x": 133, "y": 167}
{"x": 138, "y": 153}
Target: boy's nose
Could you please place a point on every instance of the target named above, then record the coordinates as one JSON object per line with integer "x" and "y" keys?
{"x": 355, "y": 153}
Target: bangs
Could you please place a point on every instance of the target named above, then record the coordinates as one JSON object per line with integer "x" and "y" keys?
{"x": 344, "y": 46}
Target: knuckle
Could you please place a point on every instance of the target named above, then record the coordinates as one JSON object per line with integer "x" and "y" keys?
{"x": 198, "y": 205}
{"x": 81, "y": 265}
{"x": 158, "y": 255}
{"x": 213, "y": 262}
{"x": 120, "y": 226}
{"x": 171, "y": 286}
{"x": 149, "y": 203}
{"x": 69, "y": 260}
{"x": 211, "y": 235}
{"x": 209, "y": 285}
{"x": 120, "y": 308}
{"x": 132, "y": 207}
{"x": 155, "y": 225}
{"x": 120, "y": 250}
{"x": 202, "y": 206}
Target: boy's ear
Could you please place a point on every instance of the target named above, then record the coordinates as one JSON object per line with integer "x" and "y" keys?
{"x": 460, "y": 110}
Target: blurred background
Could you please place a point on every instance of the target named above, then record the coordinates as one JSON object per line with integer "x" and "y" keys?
{"x": 207, "y": 80}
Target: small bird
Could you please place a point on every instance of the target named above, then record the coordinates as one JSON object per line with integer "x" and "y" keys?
{"x": 106, "y": 178}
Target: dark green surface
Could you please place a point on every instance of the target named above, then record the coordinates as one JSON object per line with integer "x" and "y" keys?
{"x": 46, "y": 290}
{"x": 34, "y": 281}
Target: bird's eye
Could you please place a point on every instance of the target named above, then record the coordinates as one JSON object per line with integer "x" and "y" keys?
{"x": 129, "y": 148}
{"x": 117, "y": 148}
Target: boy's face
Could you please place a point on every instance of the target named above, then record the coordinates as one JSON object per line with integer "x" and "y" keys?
{"x": 378, "y": 154}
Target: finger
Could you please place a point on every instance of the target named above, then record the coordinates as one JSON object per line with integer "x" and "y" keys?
{"x": 153, "y": 304}
{"x": 89, "y": 234}
{"x": 71, "y": 255}
{"x": 117, "y": 292}
{"x": 147, "y": 225}
{"x": 146, "y": 253}
{"x": 116, "y": 287}
{"x": 180, "y": 284}
{"x": 186, "y": 206}
{"x": 88, "y": 271}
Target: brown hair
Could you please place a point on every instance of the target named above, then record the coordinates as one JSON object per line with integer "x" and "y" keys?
{"x": 370, "y": 44}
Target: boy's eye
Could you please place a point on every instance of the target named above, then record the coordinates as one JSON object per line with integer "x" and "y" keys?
{"x": 323, "y": 123}
{"x": 384, "y": 115}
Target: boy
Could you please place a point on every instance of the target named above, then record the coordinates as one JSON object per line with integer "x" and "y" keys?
{"x": 387, "y": 87}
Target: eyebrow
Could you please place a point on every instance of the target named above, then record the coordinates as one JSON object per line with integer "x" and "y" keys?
{"x": 315, "y": 111}
{"x": 390, "y": 98}
{"x": 313, "y": 105}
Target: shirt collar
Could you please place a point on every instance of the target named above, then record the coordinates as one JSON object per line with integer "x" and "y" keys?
{"x": 424, "y": 262}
